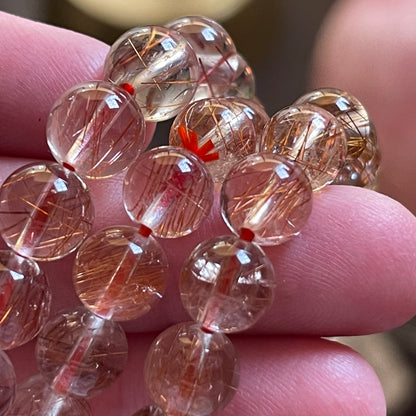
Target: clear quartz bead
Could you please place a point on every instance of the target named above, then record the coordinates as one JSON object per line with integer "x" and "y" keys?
{"x": 169, "y": 190}
{"x": 221, "y": 131}
{"x": 46, "y": 211}
{"x": 80, "y": 353}
{"x": 227, "y": 283}
{"x": 311, "y": 136}
{"x": 267, "y": 194}
{"x": 120, "y": 274}
{"x": 25, "y": 299}
{"x": 191, "y": 372}
{"x": 216, "y": 53}
{"x": 96, "y": 128}
{"x": 7, "y": 383}
{"x": 243, "y": 85}
{"x": 36, "y": 398}
{"x": 160, "y": 66}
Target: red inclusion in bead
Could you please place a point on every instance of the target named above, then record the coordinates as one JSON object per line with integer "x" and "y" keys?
{"x": 128, "y": 87}
{"x": 68, "y": 166}
{"x": 144, "y": 230}
{"x": 189, "y": 141}
{"x": 246, "y": 234}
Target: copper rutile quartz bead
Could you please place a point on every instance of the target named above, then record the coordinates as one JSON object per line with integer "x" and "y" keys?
{"x": 243, "y": 85}
{"x": 25, "y": 300}
{"x": 220, "y": 131}
{"x": 216, "y": 53}
{"x": 311, "y": 136}
{"x": 7, "y": 383}
{"x": 151, "y": 410}
{"x": 35, "y": 397}
{"x": 169, "y": 190}
{"x": 46, "y": 211}
{"x": 80, "y": 354}
{"x": 96, "y": 128}
{"x": 191, "y": 372}
{"x": 227, "y": 283}
{"x": 160, "y": 67}
{"x": 363, "y": 156}
{"x": 120, "y": 274}
{"x": 268, "y": 195}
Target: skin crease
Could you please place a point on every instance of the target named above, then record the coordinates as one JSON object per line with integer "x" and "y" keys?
{"x": 351, "y": 270}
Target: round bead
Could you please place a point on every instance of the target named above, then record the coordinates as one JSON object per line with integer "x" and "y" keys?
{"x": 80, "y": 353}
{"x": 363, "y": 156}
{"x": 267, "y": 194}
{"x": 161, "y": 67}
{"x": 96, "y": 128}
{"x": 215, "y": 50}
{"x": 310, "y": 135}
{"x": 25, "y": 299}
{"x": 119, "y": 274}
{"x": 227, "y": 283}
{"x": 7, "y": 383}
{"x": 151, "y": 410}
{"x": 46, "y": 211}
{"x": 36, "y": 398}
{"x": 221, "y": 131}
{"x": 243, "y": 85}
{"x": 169, "y": 190}
{"x": 191, "y": 372}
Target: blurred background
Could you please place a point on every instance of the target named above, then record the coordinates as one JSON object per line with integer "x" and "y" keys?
{"x": 276, "y": 38}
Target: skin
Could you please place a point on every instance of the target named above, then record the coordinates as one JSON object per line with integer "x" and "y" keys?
{"x": 351, "y": 270}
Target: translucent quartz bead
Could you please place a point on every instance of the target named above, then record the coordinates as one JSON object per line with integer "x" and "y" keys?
{"x": 7, "y": 383}
{"x": 120, "y": 274}
{"x": 25, "y": 300}
{"x": 363, "y": 156}
{"x": 36, "y": 398}
{"x": 80, "y": 353}
{"x": 221, "y": 131}
{"x": 150, "y": 411}
{"x": 169, "y": 190}
{"x": 227, "y": 283}
{"x": 215, "y": 51}
{"x": 96, "y": 128}
{"x": 268, "y": 195}
{"x": 191, "y": 372}
{"x": 46, "y": 211}
{"x": 161, "y": 67}
{"x": 243, "y": 85}
{"x": 310, "y": 135}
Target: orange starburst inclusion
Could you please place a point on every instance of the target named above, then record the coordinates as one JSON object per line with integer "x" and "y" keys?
{"x": 189, "y": 141}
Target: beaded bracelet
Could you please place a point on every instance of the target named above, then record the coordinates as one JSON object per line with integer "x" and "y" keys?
{"x": 268, "y": 170}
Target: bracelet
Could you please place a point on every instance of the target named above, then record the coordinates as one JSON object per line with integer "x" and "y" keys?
{"x": 268, "y": 170}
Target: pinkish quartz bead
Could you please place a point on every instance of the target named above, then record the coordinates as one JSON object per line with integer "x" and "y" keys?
{"x": 80, "y": 354}
{"x": 25, "y": 299}
{"x": 36, "y": 398}
{"x": 151, "y": 410}
{"x": 191, "y": 372}
{"x": 168, "y": 190}
{"x": 268, "y": 195}
{"x": 46, "y": 211}
{"x": 243, "y": 85}
{"x": 227, "y": 283}
{"x": 7, "y": 383}
{"x": 160, "y": 67}
{"x": 96, "y": 128}
{"x": 120, "y": 274}
{"x": 221, "y": 131}
{"x": 216, "y": 53}
{"x": 363, "y": 156}
{"x": 311, "y": 136}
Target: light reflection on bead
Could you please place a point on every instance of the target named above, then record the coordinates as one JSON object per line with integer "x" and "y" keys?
{"x": 7, "y": 383}
{"x": 267, "y": 194}
{"x": 161, "y": 67}
{"x": 119, "y": 274}
{"x": 190, "y": 372}
{"x": 226, "y": 284}
{"x": 46, "y": 211}
{"x": 150, "y": 411}
{"x": 311, "y": 136}
{"x": 25, "y": 299}
{"x": 169, "y": 190}
{"x": 96, "y": 128}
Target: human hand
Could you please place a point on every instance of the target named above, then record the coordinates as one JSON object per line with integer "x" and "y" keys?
{"x": 351, "y": 271}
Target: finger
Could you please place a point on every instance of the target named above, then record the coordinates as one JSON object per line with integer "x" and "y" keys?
{"x": 371, "y": 52}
